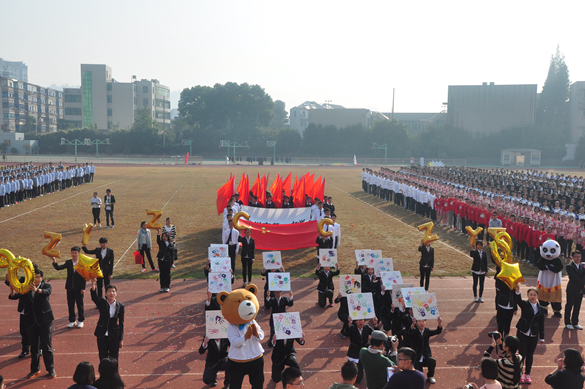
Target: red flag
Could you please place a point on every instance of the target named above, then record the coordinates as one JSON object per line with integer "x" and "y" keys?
{"x": 295, "y": 186}
{"x": 256, "y": 186}
{"x": 316, "y": 188}
{"x": 321, "y": 191}
{"x": 223, "y": 195}
{"x": 262, "y": 191}
{"x": 309, "y": 183}
{"x": 283, "y": 236}
{"x": 273, "y": 186}
{"x": 299, "y": 195}
{"x": 286, "y": 184}
{"x": 277, "y": 194}
{"x": 244, "y": 189}
{"x": 187, "y": 158}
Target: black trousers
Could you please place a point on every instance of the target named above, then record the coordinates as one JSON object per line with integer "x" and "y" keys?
{"x": 146, "y": 250}
{"x": 232, "y": 254}
{"x": 557, "y": 307}
{"x": 91, "y": 176}
{"x": 527, "y": 348}
{"x": 573, "y": 303}
{"x": 481, "y": 279}
{"x": 41, "y": 336}
{"x": 425, "y": 276}
{"x": 109, "y": 215}
{"x": 96, "y": 215}
{"x": 247, "y": 268}
{"x": 165, "y": 273}
{"x": 210, "y": 373}
{"x": 278, "y": 366}
{"x": 429, "y": 362}
{"x": 360, "y": 375}
{"x": 24, "y": 339}
{"x": 102, "y": 283}
{"x": 504, "y": 320}
{"x": 75, "y": 298}
{"x": 323, "y": 296}
{"x": 108, "y": 347}
{"x": 253, "y": 369}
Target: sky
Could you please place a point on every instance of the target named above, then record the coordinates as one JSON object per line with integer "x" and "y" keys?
{"x": 351, "y": 53}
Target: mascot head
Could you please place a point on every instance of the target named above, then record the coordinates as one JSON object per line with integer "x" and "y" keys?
{"x": 550, "y": 250}
{"x": 240, "y": 306}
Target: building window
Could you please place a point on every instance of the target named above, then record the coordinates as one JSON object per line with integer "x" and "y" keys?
{"x": 135, "y": 100}
{"x": 73, "y": 111}
{"x": 87, "y": 89}
{"x": 109, "y": 125}
{"x": 145, "y": 102}
{"x": 109, "y": 86}
{"x": 109, "y": 111}
{"x": 109, "y": 99}
{"x": 145, "y": 89}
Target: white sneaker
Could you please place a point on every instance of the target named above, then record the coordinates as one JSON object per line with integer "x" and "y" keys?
{"x": 578, "y": 327}
{"x": 432, "y": 380}
{"x": 475, "y": 299}
{"x": 480, "y": 300}
{"x": 80, "y": 325}
{"x": 570, "y": 327}
{"x": 100, "y": 226}
{"x": 72, "y": 324}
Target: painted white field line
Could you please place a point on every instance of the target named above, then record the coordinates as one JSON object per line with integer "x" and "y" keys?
{"x": 132, "y": 244}
{"x": 56, "y": 202}
{"x": 398, "y": 220}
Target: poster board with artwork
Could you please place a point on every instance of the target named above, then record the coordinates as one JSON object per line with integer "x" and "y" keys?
{"x": 287, "y": 325}
{"x": 219, "y": 282}
{"x": 215, "y": 325}
{"x": 424, "y": 306}
{"x": 408, "y": 292}
{"x": 390, "y": 278}
{"x": 350, "y": 284}
{"x": 271, "y": 260}
{"x": 360, "y": 306}
{"x": 279, "y": 282}
{"x": 328, "y": 257}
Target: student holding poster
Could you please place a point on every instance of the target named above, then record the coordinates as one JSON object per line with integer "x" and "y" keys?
{"x": 359, "y": 337}
{"x": 326, "y": 286}
{"x": 284, "y": 354}
{"x": 278, "y": 304}
{"x": 419, "y": 336}
{"x": 216, "y": 360}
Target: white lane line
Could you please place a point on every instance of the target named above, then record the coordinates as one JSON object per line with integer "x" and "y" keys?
{"x": 131, "y": 244}
{"x": 56, "y": 202}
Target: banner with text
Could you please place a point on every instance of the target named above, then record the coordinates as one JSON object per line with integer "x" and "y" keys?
{"x": 278, "y": 215}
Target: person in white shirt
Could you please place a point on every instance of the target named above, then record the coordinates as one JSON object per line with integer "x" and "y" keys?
{"x": 336, "y": 232}
{"x": 318, "y": 213}
{"x": 230, "y": 237}
{"x": 96, "y": 203}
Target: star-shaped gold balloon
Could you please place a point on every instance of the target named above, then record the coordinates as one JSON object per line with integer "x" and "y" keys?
{"x": 473, "y": 234}
{"x": 510, "y": 274}
{"x": 88, "y": 267}
{"x": 86, "y": 232}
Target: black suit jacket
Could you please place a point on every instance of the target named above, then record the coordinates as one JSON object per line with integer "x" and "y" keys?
{"x": 37, "y": 310}
{"x": 247, "y": 249}
{"x": 420, "y": 342}
{"x": 284, "y": 348}
{"x": 529, "y": 320}
{"x": 112, "y": 203}
{"x": 215, "y": 354}
{"x": 427, "y": 257}
{"x": 20, "y": 302}
{"x": 270, "y": 205}
{"x": 479, "y": 261}
{"x": 326, "y": 279}
{"x": 368, "y": 286}
{"x": 74, "y": 281}
{"x": 576, "y": 279}
{"x": 106, "y": 263}
{"x": 114, "y": 326}
{"x": 357, "y": 341}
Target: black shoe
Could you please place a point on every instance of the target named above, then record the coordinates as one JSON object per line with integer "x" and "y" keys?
{"x": 557, "y": 314}
{"x": 213, "y": 384}
{"x": 23, "y": 354}
{"x": 32, "y": 375}
{"x": 41, "y": 353}
{"x": 52, "y": 374}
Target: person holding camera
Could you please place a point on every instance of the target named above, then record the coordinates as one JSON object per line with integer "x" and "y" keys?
{"x": 489, "y": 371}
{"x": 530, "y": 328}
{"x": 375, "y": 363}
{"x": 510, "y": 366}
{"x": 568, "y": 373}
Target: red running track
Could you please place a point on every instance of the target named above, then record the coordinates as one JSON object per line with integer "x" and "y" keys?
{"x": 163, "y": 333}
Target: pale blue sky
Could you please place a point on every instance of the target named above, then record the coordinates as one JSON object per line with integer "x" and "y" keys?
{"x": 350, "y": 52}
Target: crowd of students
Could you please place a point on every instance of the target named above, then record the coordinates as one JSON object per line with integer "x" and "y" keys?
{"x": 23, "y": 182}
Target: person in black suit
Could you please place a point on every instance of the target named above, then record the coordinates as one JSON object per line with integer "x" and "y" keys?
{"x": 278, "y": 304}
{"x": 24, "y": 340}
{"x": 342, "y": 313}
{"x": 359, "y": 337}
{"x": 530, "y": 327}
{"x": 39, "y": 324}
{"x": 105, "y": 256}
{"x": 324, "y": 242}
{"x": 247, "y": 254}
{"x": 269, "y": 203}
{"x": 427, "y": 263}
{"x": 75, "y": 286}
{"x": 575, "y": 289}
{"x": 216, "y": 360}
{"x": 286, "y": 202}
{"x": 268, "y": 294}
{"x": 505, "y": 306}
{"x": 109, "y": 201}
{"x": 478, "y": 269}
{"x": 419, "y": 338}
{"x": 325, "y": 286}
{"x": 369, "y": 281}
{"x": 165, "y": 256}
{"x": 110, "y": 327}
{"x": 284, "y": 354}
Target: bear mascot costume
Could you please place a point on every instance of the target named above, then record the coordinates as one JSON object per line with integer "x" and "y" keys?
{"x": 549, "y": 277}
{"x": 239, "y": 308}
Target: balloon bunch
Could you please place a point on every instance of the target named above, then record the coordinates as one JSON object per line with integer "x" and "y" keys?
{"x": 510, "y": 272}
{"x": 428, "y": 228}
{"x": 152, "y": 224}
{"x": 8, "y": 260}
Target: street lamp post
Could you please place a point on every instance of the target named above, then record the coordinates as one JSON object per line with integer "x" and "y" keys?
{"x": 272, "y": 143}
{"x": 74, "y": 142}
{"x": 384, "y": 147}
{"x": 96, "y": 142}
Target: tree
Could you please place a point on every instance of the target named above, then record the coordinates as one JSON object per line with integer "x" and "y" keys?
{"x": 64, "y": 125}
{"x": 36, "y": 149}
{"x": 13, "y": 151}
{"x": 30, "y": 124}
{"x": 3, "y": 147}
{"x": 144, "y": 133}
{"x": 553, "y": 105}
{"x": 26, "y": 148}
{"x": 280, "y": 115}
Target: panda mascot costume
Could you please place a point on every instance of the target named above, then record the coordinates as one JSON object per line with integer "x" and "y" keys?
{"x": 549, "y": 277}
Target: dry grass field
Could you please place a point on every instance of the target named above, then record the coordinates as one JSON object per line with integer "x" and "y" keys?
{"x": 187, "y": 195}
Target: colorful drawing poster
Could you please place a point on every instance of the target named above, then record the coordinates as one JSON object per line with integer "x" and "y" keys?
{"x": 408, "y": 292}
{"x": 382, "y": 265}
{"x": 287, "y": 325}
{"x": 217, "y": 251}
{"x": 397, "y": 292}
{"x": 279, "y": 281}
{"x": 424, "y": 306}
{"x": 215, "y": 325}
{"x": 271, "y": 260}
{"x": 375, "y": 254}
{"x": 361, "y": 306}
{"x": 361, "y": 255}
{"x": 327, "y": 257}
{"x": 372, "y": 258}
{"x": 221, "y": 265}
{"x": 350, "y": 284}
{"x": 219, "y": 282}
{"x": 390, "y": 278}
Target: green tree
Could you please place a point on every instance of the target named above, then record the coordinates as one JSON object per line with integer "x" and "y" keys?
{"x": 287, "y": 142}
{"x": 553, "y": 103}
{"x": 26, "y": 148}
{"x": 393, "y": 134}
{"x": 30, "y": 124}
{"x": 36, "y": 149}
{"x": 144, "y": 133}
{"x": 3, "y": 147}
{"x": 280, "y": 115}
{"x": 13, "y": 151}
{"x": 64, "y": 125}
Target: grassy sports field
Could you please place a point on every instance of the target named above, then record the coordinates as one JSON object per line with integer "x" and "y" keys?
{"x": 187, "y": 194}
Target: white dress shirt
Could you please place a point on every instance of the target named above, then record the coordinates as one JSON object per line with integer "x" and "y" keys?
{"x": 242, "y": 349}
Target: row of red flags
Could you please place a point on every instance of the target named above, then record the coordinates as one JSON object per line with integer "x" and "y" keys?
{"x": 304, "y": 185}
